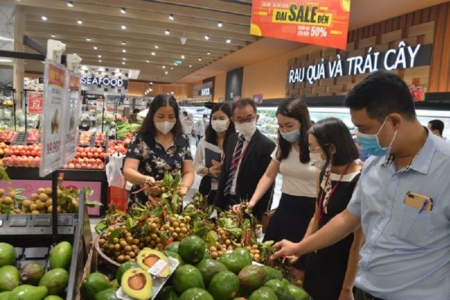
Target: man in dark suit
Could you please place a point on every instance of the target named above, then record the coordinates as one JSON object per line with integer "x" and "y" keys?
{"x": 246, "y": 157}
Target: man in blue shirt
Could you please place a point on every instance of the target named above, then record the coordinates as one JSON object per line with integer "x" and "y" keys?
{"x": 402, "y": 201}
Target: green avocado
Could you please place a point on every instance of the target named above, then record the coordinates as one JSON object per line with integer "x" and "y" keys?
{"x": 273, "y": 273}
{"x": 252, "y": 277}
{"x": 53, "y": 297}
{"x": 5, "y": 295}
{"x": 280, "y": 289}
{"x": 61, "y": 255}
{"x": 173, "y": 247}
{"x": 297, "y": 292}
{"x": 167, "y": 293}
{"x": 186, "y": 277}
{"x": 9, "y": 278}
{"x": 192, "y": 249}
{"x": 7, "y": 254}
{"x": 195, "y": 294}
{"x": 108, "y": 294}
{"x": 208, "y": 268}
{"x": 175, "y": 255}
{"x": 236, "y": 260}
{"x": 264, "y": 293}
{"x": 28, "y": 292}
{"x": 55, "y": 281}
{"x": 93, "y": 284}
{"x": 123, "y": 268}
{"x": 137, "y": 284}
{"x": 31, "y": 273}
{"x": 224, "y": 285}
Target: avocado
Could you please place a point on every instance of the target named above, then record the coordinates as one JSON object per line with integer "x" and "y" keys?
{"x": 236, "y": 260}
{"x": 7, "y": 254}
{"x": 124, "y": 267}
{"x": 55, "y": 280}
{"x": 173, "y": 247}
{"x": 147, "y": 257}
{"x": 31, "y": 273}
{"x": 186, "y": 277}
{"x": 280, "y": 288}
{"x": 5, "y": 295}
{"x": 28, "y": 292}
{"x": 196, "y": 294}
{"x": 53, "y": 297}
{"x": 263, "y": 293}
{"x": 192, "y": 249}
{"x": 224, "y": 285}
{"x": 61, "y": 255}
{"x": 9, "y": 278}
{"x": 108, "y": 294}
{"x": 175, "y": 255}
{"x": 93, "y": 284}
{"x": 208, "y": 268}
{"x": 252, "y": 277}
{"x": 167, "y": 293}
{"x": 297, "y": 292}
{"x": 273, "y": 273}
{"x": 137, "y": 284}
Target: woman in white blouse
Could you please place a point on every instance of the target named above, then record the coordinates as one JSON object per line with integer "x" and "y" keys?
{"x": 220, "y": 127}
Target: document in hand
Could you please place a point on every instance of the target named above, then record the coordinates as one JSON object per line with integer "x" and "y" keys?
{"x": 212, "y": 152}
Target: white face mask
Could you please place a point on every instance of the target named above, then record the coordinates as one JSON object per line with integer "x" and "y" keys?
{"x": 246, "y": 129}
{"x": 317, "y": 160}
{"x": 219, "y": 125}
{"x": 164, "y": 127}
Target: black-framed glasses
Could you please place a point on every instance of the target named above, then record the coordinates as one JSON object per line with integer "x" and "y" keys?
{"x": 247, "y": 120}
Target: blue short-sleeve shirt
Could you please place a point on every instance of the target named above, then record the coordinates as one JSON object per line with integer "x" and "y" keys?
{"x": 407, "y": 251}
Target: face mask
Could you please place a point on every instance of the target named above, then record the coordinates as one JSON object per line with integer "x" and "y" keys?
{"x": 292, "y": 136}
{"x": 371, "y": 144}
{"x": 317, "y": 160}
{"x": 246, "y": 129}
{"x": 219, "y": 125}
{"x": 164, "y": 127}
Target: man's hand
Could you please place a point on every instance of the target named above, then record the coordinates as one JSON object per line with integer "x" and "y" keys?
{"x": 285, "y": 248}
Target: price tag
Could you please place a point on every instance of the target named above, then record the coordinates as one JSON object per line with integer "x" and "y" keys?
{"x": 159, "y": 267}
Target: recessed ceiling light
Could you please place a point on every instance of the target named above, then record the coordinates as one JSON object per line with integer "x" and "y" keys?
{"x": 88, "y": 39}
{"x": 190, "y": 66}
{"x": 123, "y": 10}
{"x": 124, "y": 50}
{"x": 44, "y": 18}
{"x": 150, "y": 90}
{"x": 228, "y": 41}
{"x": 153, "y": 53}
{"x": 123, "y": 63}
{"x": 124, "y": 43}
{"x": 95, "y": 47}
{"x": 147, "y": 61}
{"x": 99, "y": 56}
{"x": 151, "y": 83}
{"x": 100, "y": 60}
{"x": 167, "y": 32}
{"x": 124, "y": 27}
{"x": 182, "y": 56}
{"x": 209, "y": 53}
{"x": 171, "y": 17}
{"x": 124, "y": 58}
{"x": 53, "y": 35}
{"x": 80, "y": 21}
{"x": 166, "y": 72}
{"x": 69, "y": 3}
{"x": 163, "y": 67}
{"x": 206, "y": 37}
{"x": 199, "y": 58}
{"x": 156, "y": 47}
{"x": 219, "y": 24}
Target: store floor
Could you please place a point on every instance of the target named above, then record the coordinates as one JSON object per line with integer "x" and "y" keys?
{"x": 193, "y": 190}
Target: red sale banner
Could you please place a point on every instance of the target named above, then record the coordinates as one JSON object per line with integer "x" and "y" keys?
{"x": 35, "y": 101}
{"x": 322, "y": 22}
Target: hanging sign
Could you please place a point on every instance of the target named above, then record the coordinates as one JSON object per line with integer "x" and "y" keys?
{"x": 52, "y": 135}
{"x": 321, "y": 22}
{"x": 71, "y": 116}
{"x": 35, "y": 102}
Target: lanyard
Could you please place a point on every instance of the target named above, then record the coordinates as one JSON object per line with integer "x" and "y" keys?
{"x": 235, "y": 161}
{"x": 323, "y": 203}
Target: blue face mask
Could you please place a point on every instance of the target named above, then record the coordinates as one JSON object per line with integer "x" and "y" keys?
{"x": 371, "y": 144}
{"x": 292, "y": 136}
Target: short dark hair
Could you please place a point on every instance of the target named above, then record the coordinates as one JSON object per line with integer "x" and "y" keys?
{"x": 332, "y": 131}
{"x": 296, "y": 109}
{"x": 159, "y": 101}
{"x": 437, "y": 125}
{"x": 243, "y": 103}
{"x": 210, "y": 133}
{"x": 382, "y": 93}
{"x": 136, "y": 110}
{"x": 185, "y": 113}
{"x": 205, "y": 115}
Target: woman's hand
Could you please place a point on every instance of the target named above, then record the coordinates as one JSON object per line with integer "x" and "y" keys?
{"x": 284, "y": 248}
{"x": 216, "y": 168}
{"x": 184, "y": 190}
{"x": 236, "y": 208}
{"x": 293, "y": 258}
{"x": 346, "y": 295}
{"x": 153, "y": 190}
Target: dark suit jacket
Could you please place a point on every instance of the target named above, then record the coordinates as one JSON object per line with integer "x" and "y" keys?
{"x": 253, "y": 165}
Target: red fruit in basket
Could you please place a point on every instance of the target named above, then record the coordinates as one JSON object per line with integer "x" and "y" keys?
{"x": 90, "y": 155}
{"x": 83, "y": 154}
{"x": 101, "y": 166}
{"x": 71, "y": 166}
{"x": 77, "y": 166}
{"x": 95, "y": 154}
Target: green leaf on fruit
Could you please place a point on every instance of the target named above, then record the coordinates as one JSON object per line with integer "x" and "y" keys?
{"x": 115, "y": 234}
{"x": 202, "y": 232}
{"x": 19, "y": 191}
{"x": 157, "y": 212}
{"x": 212, "y": 238}
{"x": 93, "y": 203}
{"x": 101, "y": 227}
{"x": 4, "y": 175}
{"x": 19, "y": 197}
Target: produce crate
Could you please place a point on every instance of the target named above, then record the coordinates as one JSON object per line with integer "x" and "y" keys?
{"x": 31, "y": 235}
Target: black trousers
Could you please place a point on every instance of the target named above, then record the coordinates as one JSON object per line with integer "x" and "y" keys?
{"x": 361, "y": 295}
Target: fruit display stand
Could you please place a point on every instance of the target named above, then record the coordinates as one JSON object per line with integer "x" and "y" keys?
{"x": 32, "y": 237}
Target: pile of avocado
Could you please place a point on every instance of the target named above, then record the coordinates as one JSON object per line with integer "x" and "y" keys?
{"x": 198, "y": 277}
{"x": 31, "y": 282}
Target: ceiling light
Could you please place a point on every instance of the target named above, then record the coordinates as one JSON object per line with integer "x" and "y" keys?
{"x": 124, "y": 27}
{"x": 190, "y": 66}
{"x": 124, "y": 43}
{"x": 80, "y": 21}
{"x": 53, "y": 35}
{"x": 171, "y": 68}
{"x": 150, "y": 90}
{"x": 166, "y": 72}
{"x": 69, "y": 3}
{"x": 228, "y": 41}
{"x": 199, "y": 58}
{"x": 163, "y": 67}
{"x": 151, "y": 83}
{"x": 123, "y": 10}
{"x": 95, "y": 47}
{"x": 88, "y": 39}
{"x": 124, "y": 58}
{"x": 171, "y": 17}
{"x": 219, "y": 24}
{"x": 99, "y": 56}
{"x": 123, "y": 63}
{"x": 167, "y": 32}
{"x": 153, "y": 53}
{"x": 6, "y": 60}
{"x": 100, "y": 60}
{"x": 124, "y": 51}
{"x": 147, "y": 61}
{"x": 206, "y": 37}
{"x": 156, "y": 47}
{"x": 44, "y": 18}
{"x": 182, "y": 56}
{"x": 209, "y": 53}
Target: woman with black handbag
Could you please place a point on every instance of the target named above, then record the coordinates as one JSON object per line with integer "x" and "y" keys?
{"x": 220, "y": 127}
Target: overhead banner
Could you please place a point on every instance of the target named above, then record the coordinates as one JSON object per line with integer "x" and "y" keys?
{"x": 322, "y": 22}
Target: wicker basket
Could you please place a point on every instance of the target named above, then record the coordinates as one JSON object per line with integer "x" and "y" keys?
{"x": 89, "y": 267}
{"x": 111, "y": 264}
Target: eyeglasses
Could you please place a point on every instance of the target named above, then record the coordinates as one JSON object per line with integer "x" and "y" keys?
{"x": 242, "y": 121}
{"x": 313, "y": 149}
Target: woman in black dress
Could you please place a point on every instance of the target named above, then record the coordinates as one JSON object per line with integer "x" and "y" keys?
{"x": 330, "y": 272}
{"x": 158, "y": 146}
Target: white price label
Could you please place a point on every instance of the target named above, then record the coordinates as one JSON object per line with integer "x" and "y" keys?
{"x": 159, "y": 267}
